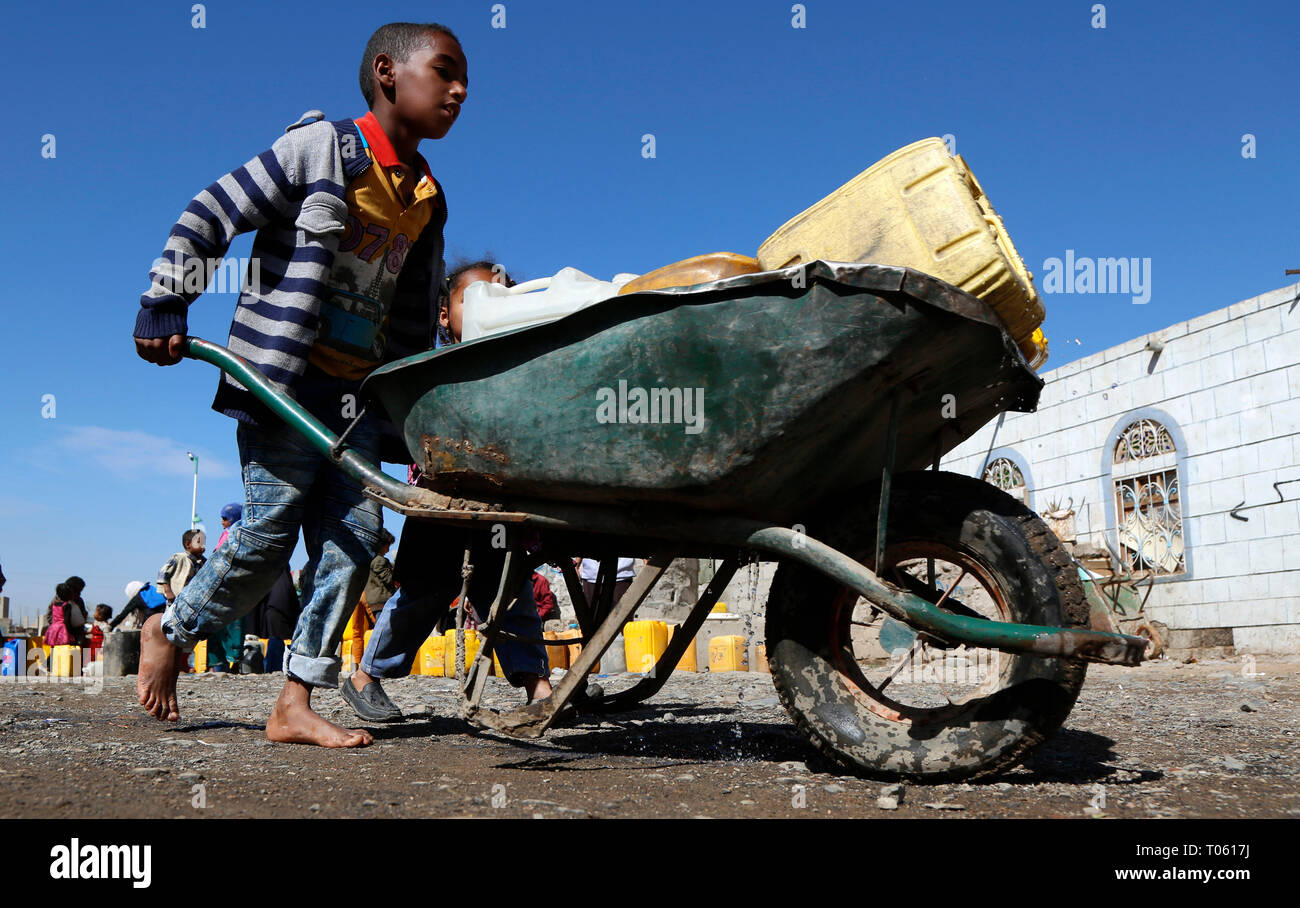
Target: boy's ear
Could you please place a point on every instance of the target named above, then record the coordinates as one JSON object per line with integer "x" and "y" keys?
{"x": 444, "y": 316}
{"x": 384, "y": 71}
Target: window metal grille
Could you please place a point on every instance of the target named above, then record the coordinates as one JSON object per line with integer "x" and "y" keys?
{"x": 1148, "y": 511}
{"x": 1003, "y": 473}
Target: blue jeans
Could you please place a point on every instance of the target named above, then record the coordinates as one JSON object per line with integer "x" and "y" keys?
{"x": 428, "y": 569}
{"x": 288, "y": 486}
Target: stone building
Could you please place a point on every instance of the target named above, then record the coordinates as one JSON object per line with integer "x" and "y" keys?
{"x": 1180, "y": 452}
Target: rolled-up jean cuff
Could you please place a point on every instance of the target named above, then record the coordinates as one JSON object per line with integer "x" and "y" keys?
{"x": 315, "y": 671}
{"x": 176, "y": 634}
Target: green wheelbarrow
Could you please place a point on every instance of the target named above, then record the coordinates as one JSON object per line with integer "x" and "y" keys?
{"x": 920, "y": 624}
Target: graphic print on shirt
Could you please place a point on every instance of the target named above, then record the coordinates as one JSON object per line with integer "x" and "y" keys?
{"x": 385, "y": 217}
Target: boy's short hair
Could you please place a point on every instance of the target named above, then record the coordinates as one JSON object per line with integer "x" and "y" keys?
{"x": 386, "y": 538}
{"x": 397, "y": 40}
{"x": 103, "y": 612}
{"x": 188, "y": 536}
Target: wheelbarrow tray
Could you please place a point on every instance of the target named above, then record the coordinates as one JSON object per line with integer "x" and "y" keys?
{"x": 795, "y": 369}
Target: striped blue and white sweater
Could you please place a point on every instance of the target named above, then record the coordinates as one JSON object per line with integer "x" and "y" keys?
{"x": 293, "y": 195}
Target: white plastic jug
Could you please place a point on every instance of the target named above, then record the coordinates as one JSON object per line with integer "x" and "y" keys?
{"x": 492, "y": 308}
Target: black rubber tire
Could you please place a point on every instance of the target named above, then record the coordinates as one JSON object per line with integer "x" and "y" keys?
{"x": 816, "y": 676}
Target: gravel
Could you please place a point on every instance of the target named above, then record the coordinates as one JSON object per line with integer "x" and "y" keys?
{"x": 1163, "y": 740}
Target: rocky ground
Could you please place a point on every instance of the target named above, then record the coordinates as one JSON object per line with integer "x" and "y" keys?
{"x": 1207, "y": 739}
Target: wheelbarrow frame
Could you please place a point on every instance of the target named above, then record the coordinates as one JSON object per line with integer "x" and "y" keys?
{"x": 662, "y": 533}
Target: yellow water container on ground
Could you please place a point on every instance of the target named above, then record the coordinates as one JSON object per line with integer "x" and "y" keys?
{"x": 643, "y": 643}
{"x": 37, "y": 654}
{"x": 352, "y": 647}
{"x": 65, "y": 661}
{"x": 688, "y": 662}
{"x": 728, "y": 654}
{"x": 430, "y": 659}
{"x": 575, "y": 649}
{"x": 472, "y": 643}
{"x": 719, "y": 608}
{"x": 920, "y": 208}
{"x": 760, "y": 659}
{"x": 556, "y": 656}
{"x": 698, "y": 269}
{"x": 201, "y": 656}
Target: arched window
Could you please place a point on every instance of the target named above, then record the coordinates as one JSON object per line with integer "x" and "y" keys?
{"x": 1148, "y": 509}
{"x": 1006, "y": 474}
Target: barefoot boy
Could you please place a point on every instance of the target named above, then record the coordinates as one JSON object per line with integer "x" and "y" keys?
{"x": 349, "y": 253}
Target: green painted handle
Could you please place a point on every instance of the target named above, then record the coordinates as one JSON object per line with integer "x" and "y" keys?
{"x": 288, "y": 409}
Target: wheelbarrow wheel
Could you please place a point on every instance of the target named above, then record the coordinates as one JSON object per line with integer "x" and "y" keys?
{"x": 888, "y": 703}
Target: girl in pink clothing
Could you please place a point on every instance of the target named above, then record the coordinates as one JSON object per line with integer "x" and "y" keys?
{"x": 57, "y": 633}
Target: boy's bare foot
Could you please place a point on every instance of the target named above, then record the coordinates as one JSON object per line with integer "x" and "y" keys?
{"x": 160, "y": 663}
{"x": 292, "y": 721}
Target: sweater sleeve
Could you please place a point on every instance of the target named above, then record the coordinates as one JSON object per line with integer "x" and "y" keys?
{"x": 245, "y": 199}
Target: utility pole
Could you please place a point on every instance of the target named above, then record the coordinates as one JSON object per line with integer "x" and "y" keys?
{"x": 194, "y": 502}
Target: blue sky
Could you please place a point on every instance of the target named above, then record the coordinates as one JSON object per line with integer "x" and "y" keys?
{"x": 1118, "y": 141}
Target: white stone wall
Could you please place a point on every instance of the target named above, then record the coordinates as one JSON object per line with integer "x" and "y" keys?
{"x": 1230, "y": 383}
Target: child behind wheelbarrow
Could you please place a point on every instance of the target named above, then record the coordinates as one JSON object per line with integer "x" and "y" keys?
{"x": 428, "y": 570}
{"x": 348, "y": 263}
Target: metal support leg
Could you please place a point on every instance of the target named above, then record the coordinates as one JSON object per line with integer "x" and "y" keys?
{"x": 650, "y": 685}
{"x": 886, "y": 476}
{"x": 512, "y": 579}
{"x": 531, "y": 721}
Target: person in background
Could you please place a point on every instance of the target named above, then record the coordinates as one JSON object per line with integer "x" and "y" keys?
{"x": 142, "y": 600}
{"x": 229, "y": 515}
{"x": 178, "y": 570}
{"x": 57, "y": 633}
{"x": 225, "y": 646}
{"x": 547, "y": 608}
{"x": 274, "y": 618}
{"x": 75, "y": 615}
{"x": 101, "y": 626}
{"x": 589, "y": 567}
{"x": 380, "y": 587}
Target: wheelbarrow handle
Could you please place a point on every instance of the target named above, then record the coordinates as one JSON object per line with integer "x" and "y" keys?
{"x": 288, "y": 409}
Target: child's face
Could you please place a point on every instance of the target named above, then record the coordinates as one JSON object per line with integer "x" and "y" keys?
{"x": 430, "y": 86}
{"x": 197, "y": 544}
{"x": 451, "y": 315}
